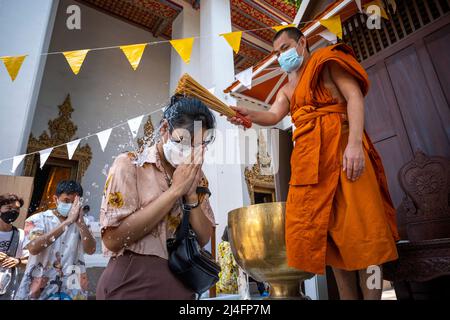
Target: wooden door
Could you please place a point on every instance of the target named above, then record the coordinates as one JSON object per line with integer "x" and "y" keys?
{"x": 407, "y": 107}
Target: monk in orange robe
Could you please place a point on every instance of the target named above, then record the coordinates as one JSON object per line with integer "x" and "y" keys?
{"x": 338, "y": 212}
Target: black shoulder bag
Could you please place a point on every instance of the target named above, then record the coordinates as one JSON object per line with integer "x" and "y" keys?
{"x": 190, "y": 263}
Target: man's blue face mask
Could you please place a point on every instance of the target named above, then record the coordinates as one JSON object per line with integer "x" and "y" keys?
{"x": 290, "y": 60}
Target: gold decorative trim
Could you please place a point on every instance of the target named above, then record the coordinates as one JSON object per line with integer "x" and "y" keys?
{"x": 62, "y": 130}
{"x": 256, "y": 177}
{"x": 148, "y": 132}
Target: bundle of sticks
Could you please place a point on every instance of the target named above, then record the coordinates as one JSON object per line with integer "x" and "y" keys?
{"x": 187, "y": 86}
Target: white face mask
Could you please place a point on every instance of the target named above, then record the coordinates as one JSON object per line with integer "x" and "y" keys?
{"x": 176, "y": 153}
{"x": 64, "y": 208}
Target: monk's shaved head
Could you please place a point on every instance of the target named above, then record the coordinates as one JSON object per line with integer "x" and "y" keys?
{"x": 292, "y": 33}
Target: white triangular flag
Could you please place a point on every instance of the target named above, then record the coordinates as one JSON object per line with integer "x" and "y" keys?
{"x": 134, "y": 125}
{"x": 212, "y": 90}
{"x": 71, "y": 147}
{"x": 329, "y": 36}
{"x": 245, "y": 77}
{"x": 358, "y": 3}
{"x": 16, "y": 161}
{"x": 103, "y": 138}
{"x": 44, "y": 154}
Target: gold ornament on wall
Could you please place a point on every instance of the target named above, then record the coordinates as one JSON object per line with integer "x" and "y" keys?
{"x": 259, "y": 177}
{"x": 148, "y": 132}
{"x": 62, "y": 130}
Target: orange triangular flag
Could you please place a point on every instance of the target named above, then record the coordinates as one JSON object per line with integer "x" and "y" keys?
{"x": 75, "y": 59}
{"x": 134, "y": 53}
{"x": 333, "y": 24}
{"x": 184, "y": 48}
{"x": 13, "y": 65}
{"x": 283, "y": 26}
{"x": 233, "y": 39}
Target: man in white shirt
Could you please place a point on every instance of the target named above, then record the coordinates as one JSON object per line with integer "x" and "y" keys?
{"x": 57, "y": 240}
{"x": 12, "y": 253}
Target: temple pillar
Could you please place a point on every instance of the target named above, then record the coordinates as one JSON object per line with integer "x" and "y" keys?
{"x": 26, "y": 30}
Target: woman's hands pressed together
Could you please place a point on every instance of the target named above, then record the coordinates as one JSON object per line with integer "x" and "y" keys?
{"x": 186, "y": 176}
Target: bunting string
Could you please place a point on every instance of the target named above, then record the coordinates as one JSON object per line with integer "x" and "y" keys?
{"x": 75, "y": 59}
{"x": 234, "y": 41}
{"x": 44, "y": 153}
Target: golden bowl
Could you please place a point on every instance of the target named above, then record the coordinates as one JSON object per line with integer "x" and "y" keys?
{"x": 257, "y": 240}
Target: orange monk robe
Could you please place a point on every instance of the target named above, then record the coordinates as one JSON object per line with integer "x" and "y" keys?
{"x": 331, "y": 220}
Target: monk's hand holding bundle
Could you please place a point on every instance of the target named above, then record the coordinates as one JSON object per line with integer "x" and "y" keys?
{"x": 239, "y": 121}
{"x": 189, "y": 87}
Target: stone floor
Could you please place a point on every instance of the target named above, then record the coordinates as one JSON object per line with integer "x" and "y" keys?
{"x": 388, "y": 294}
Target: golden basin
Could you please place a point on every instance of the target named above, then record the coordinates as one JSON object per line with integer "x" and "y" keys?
{"x": 257, "y": 240}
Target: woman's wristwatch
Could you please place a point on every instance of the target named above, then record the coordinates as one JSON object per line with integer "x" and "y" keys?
{"x": 190, "y": 206}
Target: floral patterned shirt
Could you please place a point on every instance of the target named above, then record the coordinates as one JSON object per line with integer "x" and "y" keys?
{"x": 58, "y": 272}
{"x": 130, "y": 187}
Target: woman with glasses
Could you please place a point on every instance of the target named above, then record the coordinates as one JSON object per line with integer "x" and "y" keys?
{"x": 141, "y": 206}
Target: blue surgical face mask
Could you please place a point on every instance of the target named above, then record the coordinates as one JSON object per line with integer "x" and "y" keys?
{"x": 290, "y": 60}
{"x": 64, "y": 208}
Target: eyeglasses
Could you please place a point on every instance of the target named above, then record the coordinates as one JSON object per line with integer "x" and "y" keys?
{"x": 185, "y": 143}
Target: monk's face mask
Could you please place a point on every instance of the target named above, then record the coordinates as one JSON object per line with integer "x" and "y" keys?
{"x": 290, "y": 60}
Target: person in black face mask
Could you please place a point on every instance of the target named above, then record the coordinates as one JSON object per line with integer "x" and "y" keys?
{"x": 12, "y": 254}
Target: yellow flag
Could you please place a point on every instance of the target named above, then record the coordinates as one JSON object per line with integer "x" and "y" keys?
{"x": 334, "y": 25}
{"x": 75, "y": 59}
{"x": 233, "y": 39}
{"x": 184, "y": 48}
{"x": 379, "y": 4}
{"x": 134, "y": 53}
{"x": 13, "y": 65}
{"x": 281, "y": 27}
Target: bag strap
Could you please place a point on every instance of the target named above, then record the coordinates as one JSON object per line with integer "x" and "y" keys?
{"x": 184, "y": 227}
{"x": 183, "y": 230}
{"x": 14, "y": 243}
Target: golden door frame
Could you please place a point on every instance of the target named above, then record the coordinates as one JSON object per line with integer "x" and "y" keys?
{"x": 256, "y": 177}
{"x": 258, "y": 182}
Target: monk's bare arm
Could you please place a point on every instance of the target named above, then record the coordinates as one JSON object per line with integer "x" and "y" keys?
{"x": 349, "y": 88}
{"x": 279, "y": 109}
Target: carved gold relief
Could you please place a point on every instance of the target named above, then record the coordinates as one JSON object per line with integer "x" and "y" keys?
{"x": 257, "y": 177}
{"x": 62, "y": 130}
{"x": 148, "y": 131}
